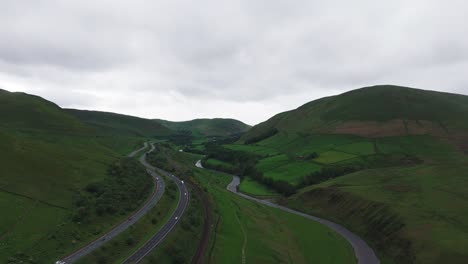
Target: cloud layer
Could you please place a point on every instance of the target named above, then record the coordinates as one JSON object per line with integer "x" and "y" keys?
{"x": 248, "y": 60}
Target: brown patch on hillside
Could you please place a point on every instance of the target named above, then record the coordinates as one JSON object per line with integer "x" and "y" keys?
{"x": 396, "y": 127}
{"x": 372, "y": 129}
{"x": 460, "y": 141}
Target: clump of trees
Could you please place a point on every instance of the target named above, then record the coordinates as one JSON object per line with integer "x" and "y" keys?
{"x": 312, "y": 155}
{"x": 240, "y": 161}
{"x": 327, "y": 173}
{"x": 280, "y": 186}
{"x": 125, "y": 186}
{"x": 243, "y": 164}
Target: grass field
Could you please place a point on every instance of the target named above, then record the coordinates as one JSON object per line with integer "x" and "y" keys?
{"x": 329, "y": 157}
{"x": 259, "y": 234}
{"x": 259, "y": 150}
{"x": 283, "y": 154}
{"x": 216, "y": 162}
{"x": 291, "y": 171}
{"x": 254, "y": 188}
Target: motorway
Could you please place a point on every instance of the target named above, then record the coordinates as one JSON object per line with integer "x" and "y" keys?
{"x": 364, "y": 253}
{"x": 158, "y": 191}
{"x": 184, "y": 198}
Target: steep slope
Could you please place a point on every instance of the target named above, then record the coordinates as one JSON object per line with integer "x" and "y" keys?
{"x": 20, "y": 111}
{"x": 118, "y": 124}
{"x": 208, "y": 127}
{"x": 374, "y": 112}
{"x": 48, "y": 158}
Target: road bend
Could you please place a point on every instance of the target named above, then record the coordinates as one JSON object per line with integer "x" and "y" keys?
{"x": 157, "y": 193}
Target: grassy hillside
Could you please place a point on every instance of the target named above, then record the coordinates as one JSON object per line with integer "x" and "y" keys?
{"x": 24, "y": 112}
{"x": 118, "y": 124}
{"x": 48, "y": 160}
{"x": 388, "y": 162}
{"x": 373, "y": 111}
{"x": 208, "y": 127}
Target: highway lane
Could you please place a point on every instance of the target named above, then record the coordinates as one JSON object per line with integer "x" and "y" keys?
{"x": 158, "y": 191}
{"x": 184, "y": 198}
{"x": 364, "y": 253}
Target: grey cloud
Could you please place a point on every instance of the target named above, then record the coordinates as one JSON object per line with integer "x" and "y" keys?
{"x": 246, "y": 59}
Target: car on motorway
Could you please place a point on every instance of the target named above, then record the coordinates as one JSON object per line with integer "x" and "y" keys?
{"x": 176, "y": 218}
{"x": 182, "y": 182}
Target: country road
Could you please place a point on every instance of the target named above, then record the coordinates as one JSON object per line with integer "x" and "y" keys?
{"x": 364, "y": 253}
{"x": 119, "y": 228}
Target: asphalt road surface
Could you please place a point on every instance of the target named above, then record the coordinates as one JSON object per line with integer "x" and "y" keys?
{"x": 363, "y": 252}
{"x": 145, "y": 145}
{"x": 184, "y": 198}
{"x": 158, "y": 191}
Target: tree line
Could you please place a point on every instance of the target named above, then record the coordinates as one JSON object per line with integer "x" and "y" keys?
{"x": 124, "y": 188}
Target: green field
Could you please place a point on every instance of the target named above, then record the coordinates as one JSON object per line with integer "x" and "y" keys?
{"x": 259, "y": 234}
{"x": 293, "y": 171}
{"x": 284, "y": 156}
{"x": 254, "y": 188}
{"x": 215, "y": 162}
{"x": 329, "y": 157}
{"x": 259, "y": 150}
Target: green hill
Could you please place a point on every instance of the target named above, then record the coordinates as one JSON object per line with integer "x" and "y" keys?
{"x": 388, "y": 162}
{"x": 118, "y": 124}
{"x": 48, "y": 159}
{"x": 376, "y": 111}
{"x": 208, "y": 127}
{"x": 26, "y": 112}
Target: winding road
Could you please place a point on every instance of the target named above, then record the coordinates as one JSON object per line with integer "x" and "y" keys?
{"x": 184, "y": 198}
{"x": 363, "y": 252}
{"x": 158, "y": 191}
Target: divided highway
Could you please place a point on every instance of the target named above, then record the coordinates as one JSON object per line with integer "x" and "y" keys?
{"x": 158, "y": 191}
{"x": 363, "y": 252}
{"x": 184, "y": 198}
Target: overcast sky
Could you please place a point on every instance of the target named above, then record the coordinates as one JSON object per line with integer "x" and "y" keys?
{"x": 249, "y": 60}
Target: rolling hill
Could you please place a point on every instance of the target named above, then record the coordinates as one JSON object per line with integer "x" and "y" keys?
{"x": 48, "y": 157}
{"x": 21, "y": 111}
{"x": 208, "y": 127}
{"x": 376, "y": 111}
{"x": 388, "y": 162}
{"x": 118, "y": 124}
